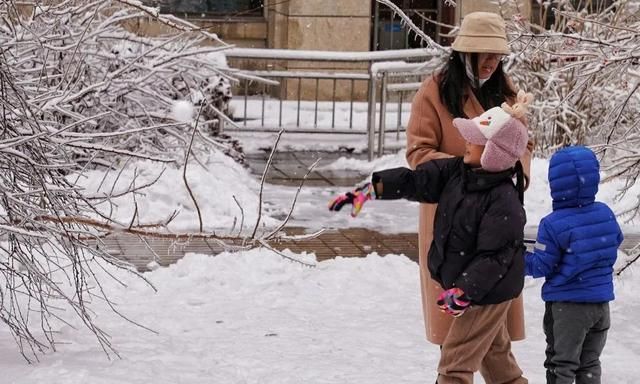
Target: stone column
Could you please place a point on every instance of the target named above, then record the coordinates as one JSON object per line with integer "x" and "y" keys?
{"x": 330, "y": 25}
{"x": 324, "y": 25}
{"x": 278, "y": 23}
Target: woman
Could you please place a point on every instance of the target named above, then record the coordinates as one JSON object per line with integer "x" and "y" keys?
{"x": 471, "y": 82}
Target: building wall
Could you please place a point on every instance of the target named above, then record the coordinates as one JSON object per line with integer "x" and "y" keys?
{"x": 327, "y": 25}
{"x": 332, "y": 25}
{"x": 249, "y": 33}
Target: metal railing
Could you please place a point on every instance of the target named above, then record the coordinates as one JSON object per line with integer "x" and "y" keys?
{"x": 389, "y": 79}
{"x": 281, "y": 87}
{"x": 383, "y": 75}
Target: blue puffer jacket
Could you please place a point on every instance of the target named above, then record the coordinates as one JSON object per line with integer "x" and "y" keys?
{"x": 577, "y": 243}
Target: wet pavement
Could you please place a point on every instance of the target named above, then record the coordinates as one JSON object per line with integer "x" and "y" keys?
{"x": 288, "y": 168}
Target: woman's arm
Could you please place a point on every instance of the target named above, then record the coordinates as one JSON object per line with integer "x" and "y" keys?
{"x": 424, "y": 132}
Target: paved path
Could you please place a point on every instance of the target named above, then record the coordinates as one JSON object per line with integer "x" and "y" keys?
{"x": 353, "y": 242}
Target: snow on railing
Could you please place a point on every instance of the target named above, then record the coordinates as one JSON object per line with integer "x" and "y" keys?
{"x": 289, "y": 54}
{"x": 397, "y": 67}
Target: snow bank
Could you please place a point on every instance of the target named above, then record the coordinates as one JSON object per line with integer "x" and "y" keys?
{"x": 214, "y": 188}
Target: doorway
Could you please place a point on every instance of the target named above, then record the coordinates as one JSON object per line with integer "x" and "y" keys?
{"x": 389, "y": 32}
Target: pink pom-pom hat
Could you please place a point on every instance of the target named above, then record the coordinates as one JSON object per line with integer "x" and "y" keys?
{"x": 502, "y": 133}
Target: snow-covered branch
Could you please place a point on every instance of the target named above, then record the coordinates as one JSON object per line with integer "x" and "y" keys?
{"x": 582, "y": 73}
{"x": 78, "y": 91}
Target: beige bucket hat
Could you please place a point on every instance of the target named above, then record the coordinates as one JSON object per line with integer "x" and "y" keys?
{"x": 482, "y": 32}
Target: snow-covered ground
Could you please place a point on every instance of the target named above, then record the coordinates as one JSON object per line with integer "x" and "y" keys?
{"x": 253, "y": 317}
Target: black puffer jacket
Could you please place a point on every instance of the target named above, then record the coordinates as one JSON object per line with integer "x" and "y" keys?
{"x": 479, "y": 225}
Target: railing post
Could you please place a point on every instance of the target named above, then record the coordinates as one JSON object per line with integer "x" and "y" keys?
{"x": 400, "y": 100}
{"x": 383, "y": 113}
{"x": 371, "y": 115}
{"x": 299, "y": 98}
{"x": 246, "y": 95}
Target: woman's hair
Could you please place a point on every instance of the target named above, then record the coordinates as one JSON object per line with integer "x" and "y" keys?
{"x": 454, "y": 79}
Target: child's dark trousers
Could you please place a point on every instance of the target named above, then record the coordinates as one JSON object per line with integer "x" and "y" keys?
{"x": 576, "y": 334}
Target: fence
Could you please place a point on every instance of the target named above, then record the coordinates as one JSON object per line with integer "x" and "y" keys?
{"x": 390, "y": 79}
{"x": 286, "y": 78}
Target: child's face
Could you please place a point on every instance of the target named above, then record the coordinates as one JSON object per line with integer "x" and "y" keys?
{"x": 472, "y": 154}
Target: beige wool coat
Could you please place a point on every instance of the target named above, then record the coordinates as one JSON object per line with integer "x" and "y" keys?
{"x": 431, "y": 135}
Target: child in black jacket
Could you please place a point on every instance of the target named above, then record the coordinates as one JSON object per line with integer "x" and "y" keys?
{"x": 477, "y": 254}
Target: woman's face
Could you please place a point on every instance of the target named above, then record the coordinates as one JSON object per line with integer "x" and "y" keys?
{"x": 472, "y": 154}
{"x": 487, "y": 64}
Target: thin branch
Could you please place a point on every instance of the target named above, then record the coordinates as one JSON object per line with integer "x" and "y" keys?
{"x": 269, "y": 247}
{"x": 262, "y": 181}
{"x": 241, "y": 214}
{"x": 295, "y": 199}
{"x": 628, "y": 264}
{"x": 184, "y": 169}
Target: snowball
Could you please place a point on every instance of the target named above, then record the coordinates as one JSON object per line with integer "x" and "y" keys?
{"x": 153, "y": 265}
{"x": 182, "y": 111}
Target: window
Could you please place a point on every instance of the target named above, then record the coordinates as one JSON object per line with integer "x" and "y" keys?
{"x": 389, "y": 32}
{"x": 211, "y": 7}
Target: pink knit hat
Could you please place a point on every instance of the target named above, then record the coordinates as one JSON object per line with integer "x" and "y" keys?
{"x": 502, "y": 133}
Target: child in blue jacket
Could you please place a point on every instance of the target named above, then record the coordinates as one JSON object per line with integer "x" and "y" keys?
{"x": 575, "y": 251}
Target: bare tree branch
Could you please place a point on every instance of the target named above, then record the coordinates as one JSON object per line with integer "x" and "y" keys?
{"x": 293, "y": 203}
{"x": 263, "y": 179}
{"x": 78, "y": 91}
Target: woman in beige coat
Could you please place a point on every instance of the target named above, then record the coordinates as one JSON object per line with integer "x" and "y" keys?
{"x": 470, "y": 82}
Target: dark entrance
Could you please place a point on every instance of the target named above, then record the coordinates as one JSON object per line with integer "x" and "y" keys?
{"x": 390, "y": 33}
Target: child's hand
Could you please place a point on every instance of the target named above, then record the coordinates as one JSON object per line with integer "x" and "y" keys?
{"x": 357, "y": 198}
{"x": 453, "y": 302}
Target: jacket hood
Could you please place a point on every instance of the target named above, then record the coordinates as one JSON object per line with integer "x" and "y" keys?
{"x": 574, "y": 175}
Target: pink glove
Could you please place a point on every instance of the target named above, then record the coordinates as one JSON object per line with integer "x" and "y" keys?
{"x": 357, "y": 198}
{"x": 453, "y": 302}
